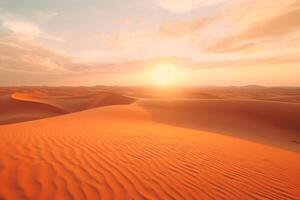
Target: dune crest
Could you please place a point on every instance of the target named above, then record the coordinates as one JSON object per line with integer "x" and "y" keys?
{"x": 13, "y": 110}
{"x": 22, "y": 106}
{"x": 73, "y": 103}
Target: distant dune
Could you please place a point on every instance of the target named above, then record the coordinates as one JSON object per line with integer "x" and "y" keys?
{"x": 12, "y": 110}
{"x": 123, "y": 143}
{"x": 273, "y": 123}
{"x": 30, "y": 105}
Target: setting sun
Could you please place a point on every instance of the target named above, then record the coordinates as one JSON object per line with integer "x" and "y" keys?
{"x": 165, "y": 75}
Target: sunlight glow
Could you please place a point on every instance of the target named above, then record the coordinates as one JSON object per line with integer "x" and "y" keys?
{"x": 165, "y": 75}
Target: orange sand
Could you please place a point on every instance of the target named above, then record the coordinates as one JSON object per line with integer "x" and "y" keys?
{"x": 132, "y": 152}
{"x": 272, "y": 123}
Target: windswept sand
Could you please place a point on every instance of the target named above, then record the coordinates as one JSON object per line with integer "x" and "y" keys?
{"x": 117, "y": 143}
{"x": 119, "y": 152}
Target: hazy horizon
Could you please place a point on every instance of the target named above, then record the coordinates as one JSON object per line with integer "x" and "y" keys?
{"x": 156, "y": 86}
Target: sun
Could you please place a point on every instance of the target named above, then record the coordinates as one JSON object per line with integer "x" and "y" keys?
{"x": 165, "y": 75}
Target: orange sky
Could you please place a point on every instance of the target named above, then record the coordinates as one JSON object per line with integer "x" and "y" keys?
{"x": 120, "y": 42}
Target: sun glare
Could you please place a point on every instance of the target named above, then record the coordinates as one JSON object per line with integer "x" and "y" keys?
{"x": 165, "y": 75}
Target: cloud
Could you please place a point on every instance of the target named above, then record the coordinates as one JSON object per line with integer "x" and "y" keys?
{"x": 187, "y": 28}
{"x": 29, "y": 56}
{"x": 34, "y": 63}
{"x": 23, "y": 55}
{"x": 184, "y": 6}
{"x": 264, "y": 29}
{"x": 252, "y": 62}
{"x": 22, "y": 28}
{"x": 176, "y": 38}
{"x": 276, "y": 26}
{"x": 25, "y": 29}
{"x": 142, "y": 65}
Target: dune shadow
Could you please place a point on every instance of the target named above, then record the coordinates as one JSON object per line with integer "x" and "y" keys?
{"x": 271, "y": 123}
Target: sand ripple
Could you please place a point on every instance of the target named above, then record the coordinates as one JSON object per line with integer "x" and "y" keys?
{"x": 98, "y": 154}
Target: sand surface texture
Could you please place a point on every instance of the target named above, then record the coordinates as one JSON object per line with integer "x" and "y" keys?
{"x": 147, "y": 149}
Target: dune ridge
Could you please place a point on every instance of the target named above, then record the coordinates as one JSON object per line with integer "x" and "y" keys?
{"x": 119, "y": 152}
{"x": 73, "y": 103}
{"x": 23, "y": 97}
{"x": 13, "y": 110}
{"x": 31, "y": 105}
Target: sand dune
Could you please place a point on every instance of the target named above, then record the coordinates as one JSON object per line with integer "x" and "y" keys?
{"x": 274, "y": 123}
{"x": 119, "y": 152}
{"x": 61, "y": 100}
{"x": 13, "y": 110}
{"x": 73, "y": 103}
{"x": 31, "y": 105}
{"x": 282, "y": 94}
{"x": 290, "y": 98}
{"x": 208, "y": 145}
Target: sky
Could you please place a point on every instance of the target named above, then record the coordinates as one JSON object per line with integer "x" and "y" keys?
{"x": 120, "y": 42}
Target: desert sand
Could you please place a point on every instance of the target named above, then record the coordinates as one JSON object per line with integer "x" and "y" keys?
{"x": 125, "y": 143}
{"x": 25, "y": 105}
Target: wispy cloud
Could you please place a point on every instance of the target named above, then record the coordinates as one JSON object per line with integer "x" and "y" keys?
{"x": 185, "y": 28}
{"x": 21, "y": 28}
{"x": 25, "y": 55}
{"x": 270, "y": 27}
{"x": 26, "y": 29}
